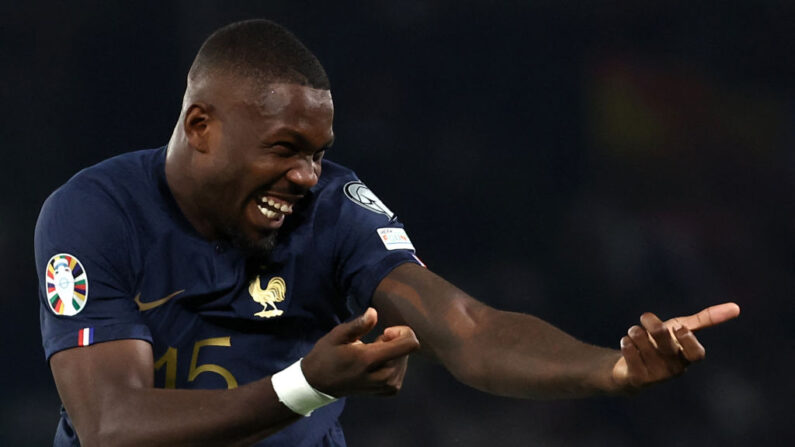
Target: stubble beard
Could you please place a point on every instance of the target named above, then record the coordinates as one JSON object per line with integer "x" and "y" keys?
{"x": 260, "y": 248}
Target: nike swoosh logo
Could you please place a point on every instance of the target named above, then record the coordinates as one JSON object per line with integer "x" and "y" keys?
{"x": 152, "y": 304}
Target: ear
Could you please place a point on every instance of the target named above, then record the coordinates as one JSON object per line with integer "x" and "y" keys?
{"x": 197, "y": 126}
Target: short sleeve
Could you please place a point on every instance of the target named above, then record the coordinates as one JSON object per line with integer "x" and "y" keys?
{"x": 85, "y": 280}
{"x": 370, "y": 242}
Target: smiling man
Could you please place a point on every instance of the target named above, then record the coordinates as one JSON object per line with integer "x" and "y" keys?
{"x": 211, "y": 283}
{"x": 248, "y": 157}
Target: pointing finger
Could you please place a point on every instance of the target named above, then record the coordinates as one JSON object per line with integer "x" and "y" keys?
{"x": 385, "y": 351}
{"x": 710, "y": 316}
{"x": 394, "y": 332}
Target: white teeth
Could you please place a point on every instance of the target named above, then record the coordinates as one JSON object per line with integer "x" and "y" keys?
{"x": 268, "y": 213}
{"x": 277, "y": 206}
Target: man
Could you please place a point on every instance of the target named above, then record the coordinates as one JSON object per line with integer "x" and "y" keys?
{"x": 228, "y": 265}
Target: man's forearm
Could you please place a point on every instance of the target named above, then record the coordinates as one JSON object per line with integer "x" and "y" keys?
{"x": 154, "y": 416}
{"x": 108, "y": 392}
{"x": 499, "y": 352}
{"x": 520, "y": 355}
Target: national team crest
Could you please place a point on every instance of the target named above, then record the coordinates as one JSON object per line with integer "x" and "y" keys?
{"x": 273, "y": 293}
{"x": 67, "y": 285}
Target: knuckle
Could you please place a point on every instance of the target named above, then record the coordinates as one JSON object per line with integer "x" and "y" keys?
{"x": 694, "y": 353}
{"x": 649, "y": 319}
{"x": 685, "y": 336}
{"x": 640, "y": 339}
{"x": 635, "y": 332}
{"x": 658, "y": 331}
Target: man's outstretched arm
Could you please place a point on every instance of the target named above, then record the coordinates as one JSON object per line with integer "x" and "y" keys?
{"x": 108, "y": 391}
{"x": 519, "y": 355}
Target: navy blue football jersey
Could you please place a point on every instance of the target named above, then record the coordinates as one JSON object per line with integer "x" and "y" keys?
{"x": 117, "y": 259}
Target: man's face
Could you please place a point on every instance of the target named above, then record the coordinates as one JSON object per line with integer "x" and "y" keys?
{"x": 265, "y": 150}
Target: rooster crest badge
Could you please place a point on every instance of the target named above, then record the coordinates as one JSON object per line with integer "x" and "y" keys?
{"x": 272, "y": 294}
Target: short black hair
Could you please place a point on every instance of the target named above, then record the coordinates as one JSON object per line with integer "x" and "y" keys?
{"x": 261, "y": 50}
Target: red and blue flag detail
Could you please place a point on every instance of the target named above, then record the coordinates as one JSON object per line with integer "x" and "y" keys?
{"x": 85, "y": 336}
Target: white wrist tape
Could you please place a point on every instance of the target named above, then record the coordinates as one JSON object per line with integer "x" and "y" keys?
{"x": 296, "y": 393}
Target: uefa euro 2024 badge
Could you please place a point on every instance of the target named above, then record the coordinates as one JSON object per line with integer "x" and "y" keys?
{"x": 67, "y": 285}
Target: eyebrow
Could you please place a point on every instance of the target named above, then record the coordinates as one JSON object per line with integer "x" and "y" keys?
{"x": 304, "y": 142}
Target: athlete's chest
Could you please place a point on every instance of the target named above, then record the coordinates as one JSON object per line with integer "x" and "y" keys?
{"x": 207, "y": 304}
{"x": 296, "y": 280}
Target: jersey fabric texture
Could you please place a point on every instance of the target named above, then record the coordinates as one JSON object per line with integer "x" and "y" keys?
{"x": 117, "y": 259}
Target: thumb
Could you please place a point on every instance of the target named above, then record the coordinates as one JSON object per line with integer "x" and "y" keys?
{"x": 355, "y": 329}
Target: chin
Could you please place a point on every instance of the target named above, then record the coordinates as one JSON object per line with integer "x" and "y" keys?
{"x": 254, "y": 246}
{"x": 265, "y": 244}
{"x": 261, "y": 246}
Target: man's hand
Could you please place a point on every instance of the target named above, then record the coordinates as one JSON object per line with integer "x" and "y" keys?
{"x": 340, "y": 364}
{"x": 656, "y": 350}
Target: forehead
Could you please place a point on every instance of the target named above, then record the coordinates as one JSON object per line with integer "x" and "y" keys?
{"x": 275, "y": 109}
{"x": 288, "y": 104}
{"x": 277, "y": 98}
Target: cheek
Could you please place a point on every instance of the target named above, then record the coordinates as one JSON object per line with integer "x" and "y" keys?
{"x": 230, "y": 166}
{"x": 222, "y": 173}
{"x": 222, "y": 183}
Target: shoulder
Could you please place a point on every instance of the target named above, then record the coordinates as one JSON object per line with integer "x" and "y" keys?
{"x": 92, "y": 210}
{"x": 340, "y": 188}
{"x": 111, "y": 181}
{"x": 126, "y": 171}
{"x": 365, "y": 237}
{"x": 333, "y": 175}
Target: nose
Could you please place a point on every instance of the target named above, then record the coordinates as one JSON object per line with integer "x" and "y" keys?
{"x": 304, "y": 172}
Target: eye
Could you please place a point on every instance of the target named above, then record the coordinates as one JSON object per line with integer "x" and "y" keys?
{"x": 282, "y": 149}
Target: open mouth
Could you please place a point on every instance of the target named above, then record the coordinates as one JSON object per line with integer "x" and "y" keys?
{"x": 273, "y": 207}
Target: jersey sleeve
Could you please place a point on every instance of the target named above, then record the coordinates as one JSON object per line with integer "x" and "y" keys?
{"x": 83, "y": 251}
{"x": 370, "y": 242}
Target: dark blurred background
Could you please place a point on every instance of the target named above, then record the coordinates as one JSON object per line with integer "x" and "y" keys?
{"x": 584, "y": 163}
